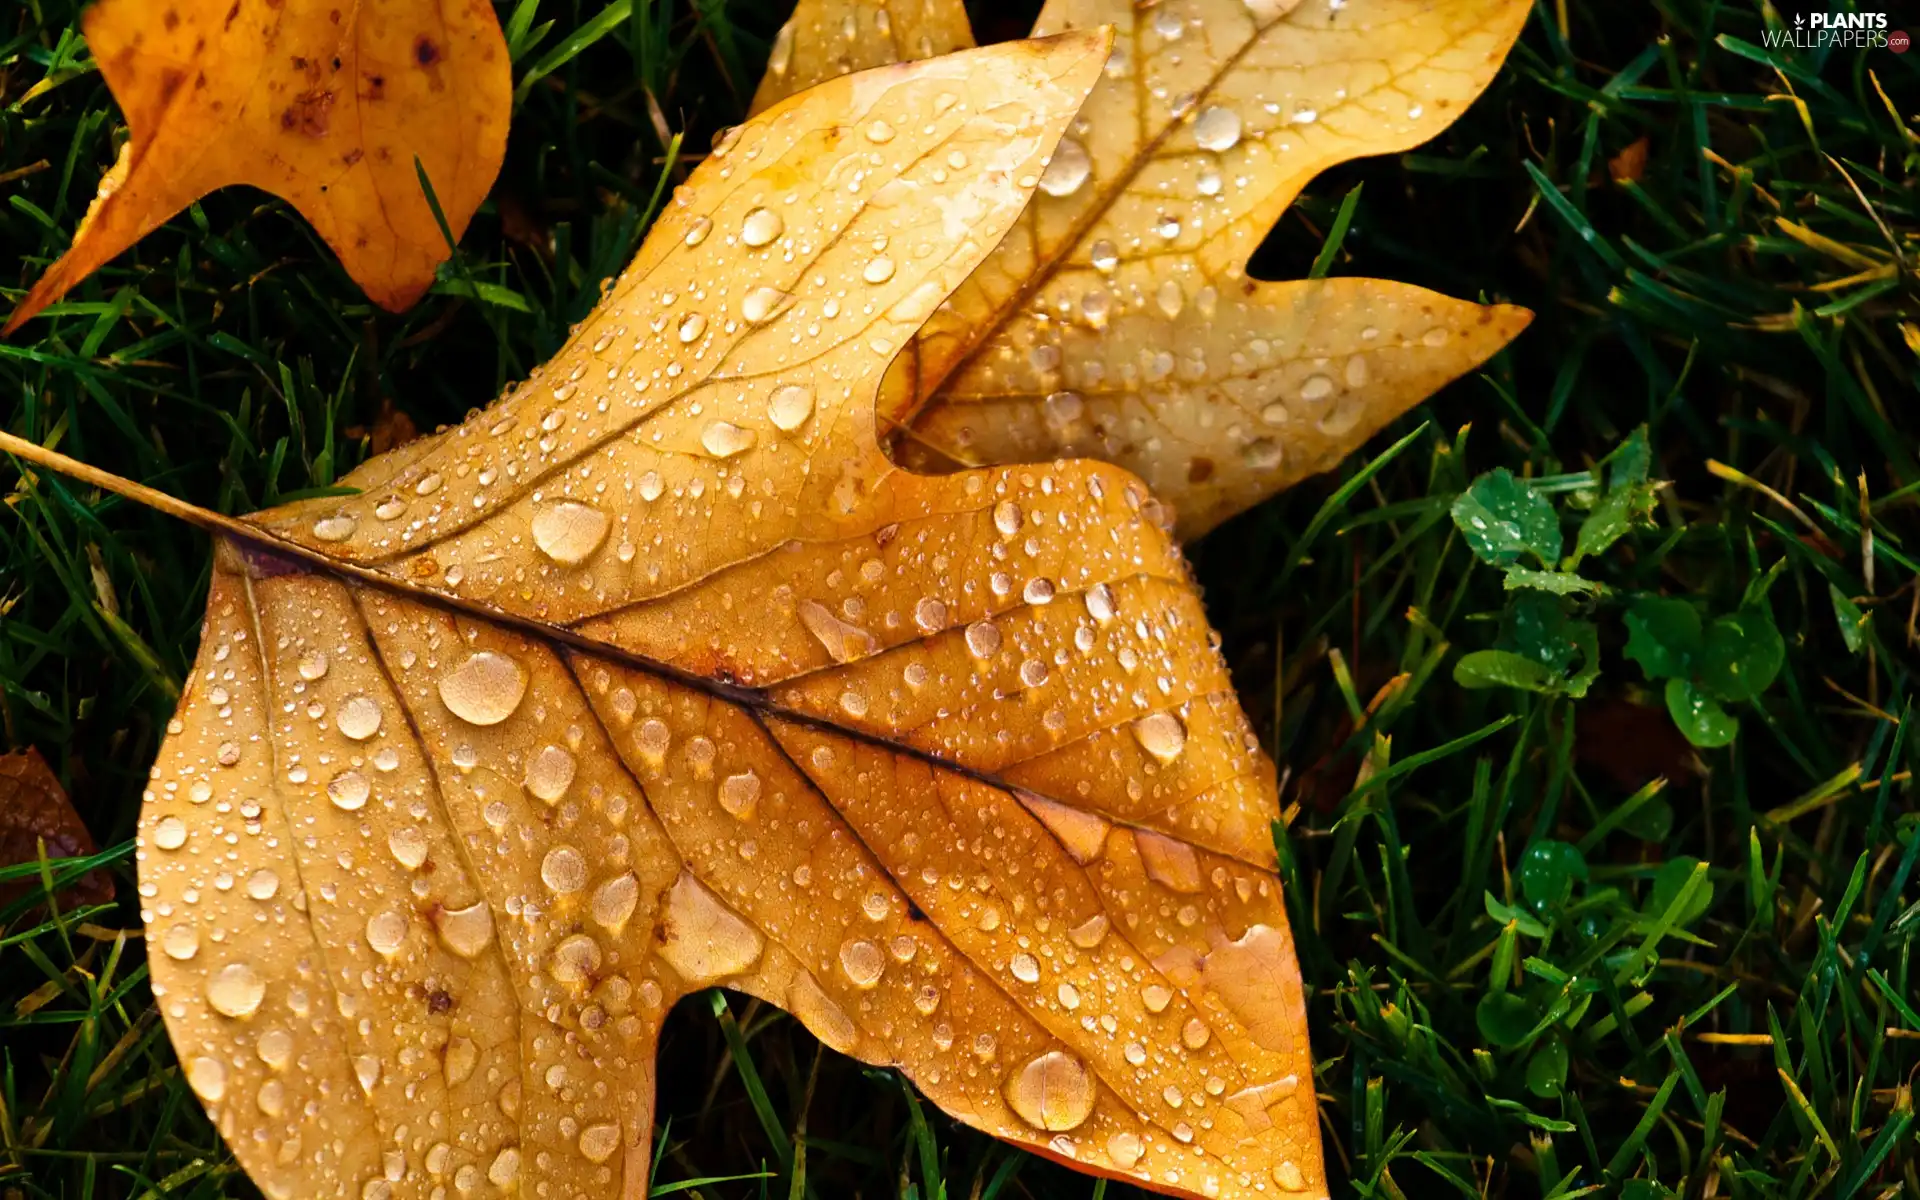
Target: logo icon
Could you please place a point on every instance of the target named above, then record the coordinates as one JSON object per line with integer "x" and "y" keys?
{"x": 1898, "y": 41}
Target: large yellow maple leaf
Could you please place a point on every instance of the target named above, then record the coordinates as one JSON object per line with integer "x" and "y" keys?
{"x": 1117, "y": 320}
{"x": 659, "y": 675}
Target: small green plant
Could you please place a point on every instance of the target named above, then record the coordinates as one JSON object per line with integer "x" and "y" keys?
{"x": 1549, "y": 626}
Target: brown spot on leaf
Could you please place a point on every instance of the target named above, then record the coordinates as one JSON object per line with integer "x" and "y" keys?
{"x": 1199, "y": 470}
{"x": 309, "y": 114}
{"x": 425, "y": 51}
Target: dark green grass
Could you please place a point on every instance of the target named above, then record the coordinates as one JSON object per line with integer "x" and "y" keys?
{"x": 1746, "y": 1028}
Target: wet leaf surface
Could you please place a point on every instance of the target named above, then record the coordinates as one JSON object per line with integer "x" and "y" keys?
{"x": 325, "y": 105}
{"x": 1117, "y": 320}
{"x": 35, "y": 812}
{"x": 658, "y": 675}
{"x": 825, "y": 39}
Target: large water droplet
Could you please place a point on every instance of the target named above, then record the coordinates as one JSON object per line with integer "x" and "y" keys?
{"x": 263, "y": 884}
{"x": 614, "y": 901}
{"x": 863, "y": 962}
{"x": 275, "y": 1048}
{"x": 408, "y": 846}
{"x": 386, "y": 932}
{"x": 692, "y": 326}
{"x": 485, "y": 689}
{"x": 1217, "y": 128}
{"x": 761, "y": 226}
{"x": 740, "y": 795}
{"x": 1162, "y": 735}
{"x": 983, "y": 639}
{"x": 569, "y": 532}
{"x": 598, "y": 1142}
{"x": 564, "y": 870}
{"x": 878, "y": 270}
{"x": 181, "y": 942}
{"x": 843, "y": 642}
{"x": 313, "y": 665}
{"x": 761, "y": 304}
{"x": 550, "y": 773}
{"x": 333, "y": 529}
{"x": 1068, "y": 169}
{"x": 575, "y": 959}
{"x": 170, "y": 833}
{"x": 349, "y": 791}
{"x": 703, "y": 939}
{"x": 789, "y": 407}
{"x": 236, "y": 990}
{"x": 1290, "y": 1177}
{"x": 466, "y": 931}
{"x": 1125, "y": 1150}
{"x": 208, "y": 1079}
{"x": 1054, "y": 1092}
{"x": 359, "y": 717}
{"x": 1025, "y": 968}
{"x": 723, "y": 439}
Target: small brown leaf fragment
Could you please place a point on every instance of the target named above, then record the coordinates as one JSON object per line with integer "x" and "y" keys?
{"x": 326, "y": 105}
{"x": 34, "y": 808}
{"x": 1630, "y": 164}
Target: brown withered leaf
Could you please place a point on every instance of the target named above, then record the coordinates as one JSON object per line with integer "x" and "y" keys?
{"x": 659, "y": 675}
{"x": 35, "y": 810}
{"x": 1117, "y": 321}
{"x": 326, "y": 105}
{"x": 826, "y": 39}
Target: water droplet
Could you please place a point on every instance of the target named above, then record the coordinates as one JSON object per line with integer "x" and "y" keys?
{"x": 1171, "y": 299}
{"x": 1039, "y": 590}
{"x": 1195, "y": 1033}
{"x": 485, "y": 689}
{"x": 275, "y": 1048}
{"x": 236, "y": 990}
{"x": 550, "y": 773}
{"x": 466, "y": 931}
{"x": 1156, "y": 997}
{"x": 1006, "y": 518}
{"x": 1317, "y": 387}
{"x": 879, "y": 132}
{"x": 614, "y": 901}
{"x": 1100, "y": 602}
{"x": 692, "y": 326}
{"x": 723, "y": 439}
{"x": 569, "y": 532}
{"x": 359, "y": 717}
{"x": 789, "y": 407}
{"x": 1169, "y": 24}
{"x": 703, "y": 939}
{"x": 1067, "y": 170}
{"x": 1217, "y": 129}
{"x": 575, "y": 959}
{"x": 271, "y": 1098}
{"x": 843, "y": 643}
{"x": 761, "y": 226}
{"x": 349, "y": 791}
{"x": 333, "y": 529}
{"x": 1090, "y": 932}
{"x": 208, "y": 1079}
{"x": 313, "y": 666}
{"x": 1125, "y": 1150}
{"x": 1263, "y": 454}
{"x": 598, "y": 1142}
{"x": 1053, "y": 1092}
{"x": 698, "y": 231}
{"x": 1306, "y": 116}
{"x": 386, "y": 932}
{"x": 170, "y": 833}
{"x": 879, "y": 270}
{"x": 564, "y": 870}
{"x": 263, "y": 884}
{"x": 1289, "y": 1177}
{"x": 505, "y": 1168}
{"x": 1162, "y": 735}
{"x": 863, "y": 963}
{"x": 181, "y": 942}
{"x": 819, "y": 1013}
{"x": 428, "y": 485}
{"x": 983, "y": 639}
{"x": 408, "y": 846}
{"x": 1103, "y": 255}
{"x": 761, "y": 304}
{"x": 740, "y": 795}
{"x": 1025, "y": 968}
{"x": 930, "y": 615}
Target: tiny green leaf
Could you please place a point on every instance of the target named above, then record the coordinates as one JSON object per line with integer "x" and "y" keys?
{"x": 1504, "y": 668}
{"x": 1502, "y": 518}
{"x": 1699, "y": 715}
{"x": 1662, "y": 636}
{"x": 1547, "y": 1070}
{"x": 1505, "y": 1019}
{"x": 1547, "y": 872}
{"x": 1612, "y": 519}
{"x": 1741, "y": 656}
{"x": 1668, "y": 883}
{"x": 1852, "y": 622}
{"x": 1560, "y": 583}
